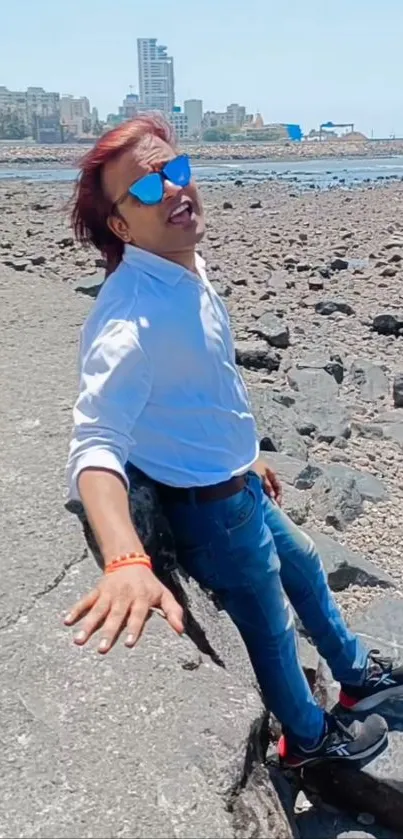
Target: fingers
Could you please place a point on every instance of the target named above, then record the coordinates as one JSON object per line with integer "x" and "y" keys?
{"x": 93, "y": 620}
{"x": 114, "y": 624}
{"x": 81, "y": 607}
{"x": 172, "y": 610}
{"x": 137, "y": 618}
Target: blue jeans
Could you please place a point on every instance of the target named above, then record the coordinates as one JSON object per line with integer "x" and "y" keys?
{"x": 249, "y": 553}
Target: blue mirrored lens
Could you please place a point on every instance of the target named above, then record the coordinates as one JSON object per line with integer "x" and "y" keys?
{"x": 148, "y": 190}
{"x": 178, "y": 170}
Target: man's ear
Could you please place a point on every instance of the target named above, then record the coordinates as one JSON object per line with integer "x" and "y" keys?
{"x": 118, "y": 226}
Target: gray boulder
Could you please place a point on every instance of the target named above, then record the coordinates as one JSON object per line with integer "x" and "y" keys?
{"x": 273, "y": 329}
{"x": 316, "y": 384}
{"x": 345, "y": 567}
{"x": 276, "y": 423}
{"x": 337, "y": 500}
{"x": 370, "y": 380}
{"x": 398, "y": 390}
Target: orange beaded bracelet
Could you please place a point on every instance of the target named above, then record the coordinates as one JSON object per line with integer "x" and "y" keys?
{"x": 127, "y": 560}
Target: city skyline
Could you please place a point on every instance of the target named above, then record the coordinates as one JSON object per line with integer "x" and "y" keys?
{"x": 303, "y": 63}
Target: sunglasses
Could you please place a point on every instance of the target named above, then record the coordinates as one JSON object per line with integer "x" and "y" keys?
{"x": 149, "y": 190}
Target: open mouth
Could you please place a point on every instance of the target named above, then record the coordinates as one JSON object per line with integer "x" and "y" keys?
{"x": 182, "y": 214}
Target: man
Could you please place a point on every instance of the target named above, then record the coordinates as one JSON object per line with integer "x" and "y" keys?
{"x": 160, "y": 391}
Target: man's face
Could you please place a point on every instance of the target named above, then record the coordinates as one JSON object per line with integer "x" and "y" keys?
{"x": 157, "y": 228}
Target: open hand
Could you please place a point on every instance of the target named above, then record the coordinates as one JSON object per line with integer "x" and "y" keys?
{"x": 123, "y": 600}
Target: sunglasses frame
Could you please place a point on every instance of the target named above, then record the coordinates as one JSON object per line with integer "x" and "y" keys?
{"x": 162, "y": 176}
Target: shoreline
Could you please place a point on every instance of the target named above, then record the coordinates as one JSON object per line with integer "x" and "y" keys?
{"x": 20, "y": 154}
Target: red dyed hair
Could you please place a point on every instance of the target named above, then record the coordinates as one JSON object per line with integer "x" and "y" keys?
{"x": 91, "y": 207}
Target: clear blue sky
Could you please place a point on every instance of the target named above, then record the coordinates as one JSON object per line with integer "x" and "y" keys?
{"x": 305, "y": 61}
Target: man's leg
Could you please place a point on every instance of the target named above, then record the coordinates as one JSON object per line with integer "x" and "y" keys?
{"x": 305, "y": 583}
{"x": 227, "y": 547}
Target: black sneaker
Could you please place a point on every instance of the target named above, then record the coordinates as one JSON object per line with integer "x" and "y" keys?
{"x": 383, "y": 681}
{"x": 360, "y": 741}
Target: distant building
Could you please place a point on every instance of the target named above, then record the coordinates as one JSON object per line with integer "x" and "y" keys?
{"x": 272, "y": 132}
{"x": 235, "y": 116}
{"x": 193, "y": 109}
{"x": 156, "y": 76}
{"x": 25, "y": 106}
{"x": 130, "y": 106}
{"x": 47, "y": 129}
{"x": 179, "y": 122}
{"x": 75, "y": 116}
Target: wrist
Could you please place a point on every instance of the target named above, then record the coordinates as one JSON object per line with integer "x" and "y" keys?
{"x": 132, "y": 559}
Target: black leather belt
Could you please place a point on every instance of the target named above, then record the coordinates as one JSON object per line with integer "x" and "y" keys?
{"x": 188, "y": 495}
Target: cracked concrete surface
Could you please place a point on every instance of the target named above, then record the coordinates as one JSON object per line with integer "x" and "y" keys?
{"x": 148, "y": 743}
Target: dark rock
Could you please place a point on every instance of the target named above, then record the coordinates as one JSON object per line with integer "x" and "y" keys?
{"x": 389, "y": 271}
{"x": 303, "y": 237}
{"x": 17, "y": 264}
{"x": 315, "y": 283}
{"x": 398, "y": 390}
{"x": 303, "y": 266}
{"x": 290, "y": 261}
{"x": 66, "y": 242}
{"x": 90, "y": 291}
{"x": 256, "y": 355}
{"x": 378, "y": 787}
{"x": 238, "y": 182}
{"x": 38, "y": 260}
{"x": 308, "y": 476}
{"x": 370, "y": 380}
{"x": 325, "y": 273}
{"x": 387, "y": 324}
{"x": 323, "y": 821}
{"x": 272, "y": 329}
{"x": 396, "y": 257}
{"x": 38, "y": 207}
{"x": 339, "y": 264}
{"x": 227, "y": 205}
{"x": 100, "y": 262}
{"x": 329, "y": 307}
{"x": 345, "y": 568}
{"x": 238, "y": 281}
{"x": 256, "y": 205}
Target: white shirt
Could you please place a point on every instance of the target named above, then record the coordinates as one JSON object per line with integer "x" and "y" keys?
{"x": 159, "y": 386}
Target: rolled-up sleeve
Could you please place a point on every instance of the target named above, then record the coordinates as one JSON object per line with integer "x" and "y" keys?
{"x": 115, "y": 384}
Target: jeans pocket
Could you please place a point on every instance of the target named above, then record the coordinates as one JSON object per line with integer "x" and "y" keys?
{"x": 199, "y": 564}
{"x": 241, "y": 508}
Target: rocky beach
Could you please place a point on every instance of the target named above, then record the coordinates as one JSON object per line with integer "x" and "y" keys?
{"x": 170, "y": 740}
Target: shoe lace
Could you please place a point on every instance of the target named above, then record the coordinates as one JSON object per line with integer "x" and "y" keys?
{"x": 382, "y": 663}
{"x": 339, "y": 733}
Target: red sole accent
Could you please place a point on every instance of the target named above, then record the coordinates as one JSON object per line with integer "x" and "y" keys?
{"x": 282, "y": 747}
{"x": 347, "y": 701}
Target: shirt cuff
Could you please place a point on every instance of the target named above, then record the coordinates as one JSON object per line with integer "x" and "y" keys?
{"x": 95, "y": 459}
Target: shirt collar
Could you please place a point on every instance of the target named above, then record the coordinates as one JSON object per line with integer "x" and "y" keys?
{"x": 157, "y": 266}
